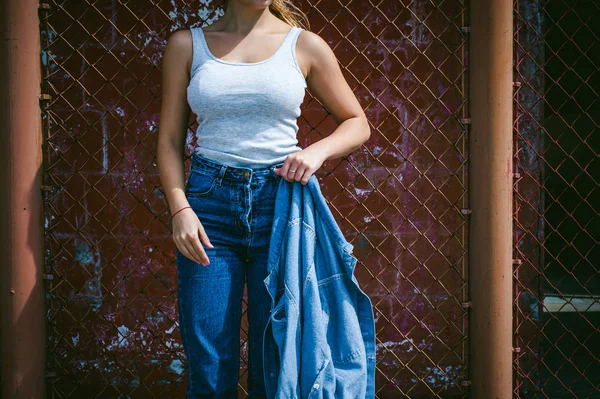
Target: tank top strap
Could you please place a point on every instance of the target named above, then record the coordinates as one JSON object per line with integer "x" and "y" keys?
{"x": 290, "y": 37}
{"x": 198, "y": 53}
{"x": 289, "y": 46}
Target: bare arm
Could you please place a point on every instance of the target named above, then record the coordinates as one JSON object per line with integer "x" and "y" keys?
{"x": 174, "y": 117}
{"x": 325, "y": 80}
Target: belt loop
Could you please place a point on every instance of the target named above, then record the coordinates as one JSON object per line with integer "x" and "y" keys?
{"x": 221, "y": 174}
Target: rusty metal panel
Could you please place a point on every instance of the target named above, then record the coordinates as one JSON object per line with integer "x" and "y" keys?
{"x": 401, "y": 199}
{"x": 556, "y": 251}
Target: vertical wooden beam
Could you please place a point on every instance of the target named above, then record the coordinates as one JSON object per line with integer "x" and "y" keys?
{"x": 490, "y": 198}
{"x": 22, "y": 303}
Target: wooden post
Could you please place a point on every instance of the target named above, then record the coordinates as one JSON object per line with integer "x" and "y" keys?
{"x": 22, "y": 299}
{"x": 490, "y": 198}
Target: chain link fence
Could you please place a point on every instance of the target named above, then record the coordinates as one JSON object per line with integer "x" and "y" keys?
{"x": 400, "y": 198}
{"x": 557, "y": 256}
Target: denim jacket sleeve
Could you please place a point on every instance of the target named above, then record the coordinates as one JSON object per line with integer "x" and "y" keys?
{"x": 320, "y": 339}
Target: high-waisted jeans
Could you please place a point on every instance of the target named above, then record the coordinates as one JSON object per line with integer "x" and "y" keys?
{"x": 236, "y": 207}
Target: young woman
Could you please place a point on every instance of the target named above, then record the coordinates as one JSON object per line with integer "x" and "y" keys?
{"x": 244, "y": 77}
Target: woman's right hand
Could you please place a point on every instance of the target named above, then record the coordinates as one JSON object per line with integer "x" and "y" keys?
{"x": 187, "y": 232}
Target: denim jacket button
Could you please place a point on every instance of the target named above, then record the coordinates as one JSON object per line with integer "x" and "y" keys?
{"x": 316, "y": 386}
{"x": 272, "y": 374}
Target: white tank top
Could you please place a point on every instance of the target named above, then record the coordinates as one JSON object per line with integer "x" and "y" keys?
{"x": 246, "y": 112}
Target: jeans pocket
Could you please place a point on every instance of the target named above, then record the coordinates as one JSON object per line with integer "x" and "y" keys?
{"x": 200, "y": 184}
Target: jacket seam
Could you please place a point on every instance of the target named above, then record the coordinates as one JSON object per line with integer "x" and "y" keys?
{"x": 309, "y": 227}
{"x": 307, "y": 280}
{"x": 290, "y": 296}
{"x": 295, "y": 221}
{"x": 337, "y": 276}
{"x": 348, "y": 357}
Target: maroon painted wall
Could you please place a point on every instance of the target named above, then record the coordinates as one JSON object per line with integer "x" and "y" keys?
{"x": 111, "y": 316}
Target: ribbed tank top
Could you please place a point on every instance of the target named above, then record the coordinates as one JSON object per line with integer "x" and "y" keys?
{"x": 246, "y": 112}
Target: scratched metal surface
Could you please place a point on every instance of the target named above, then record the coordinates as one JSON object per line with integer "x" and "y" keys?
{"x": 112, "y": 322}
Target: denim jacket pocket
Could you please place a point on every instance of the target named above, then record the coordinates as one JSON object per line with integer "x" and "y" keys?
{"x": 279, "y": 315}
{"x": 200, "y": 184}
{"x": 278, "y": 325}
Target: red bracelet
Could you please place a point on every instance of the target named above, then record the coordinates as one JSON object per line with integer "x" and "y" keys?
{"x": 185, "y": 207}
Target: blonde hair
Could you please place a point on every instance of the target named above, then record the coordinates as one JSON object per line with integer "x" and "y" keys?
{"x": 286, "y": 11}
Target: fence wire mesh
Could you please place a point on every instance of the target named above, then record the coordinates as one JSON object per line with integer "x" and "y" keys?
{"x": 557, "y": 279}
{"x": 400, "y": 198}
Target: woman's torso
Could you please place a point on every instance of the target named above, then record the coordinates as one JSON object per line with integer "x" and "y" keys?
{"x": 246, "y": 112}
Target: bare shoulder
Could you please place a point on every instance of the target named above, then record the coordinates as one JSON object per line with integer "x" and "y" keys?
{"x": 312, "y": 41}
{"x": 315, "y": 46}
{"x": 314, "y": 51}
{"x": 178, "y": 49}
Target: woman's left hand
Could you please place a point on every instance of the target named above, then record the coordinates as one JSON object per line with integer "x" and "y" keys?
{"x": 301, "y": 165}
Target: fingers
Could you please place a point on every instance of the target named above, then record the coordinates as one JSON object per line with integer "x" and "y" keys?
{"x": 284, "y": 170}
{"x": 298, "y": 173}
{"x": 199, "y": 251}
{"x": 185, "y": 250}
{"x": 186, "y": 232}
{"x": 190, "y": 247}
{"x": 298, "y": 170}
{"x": 203, "y": 236}
{"x": 303, "y": 176}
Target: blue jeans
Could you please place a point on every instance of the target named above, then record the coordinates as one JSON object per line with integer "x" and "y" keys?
{"x": 236, "y": 207}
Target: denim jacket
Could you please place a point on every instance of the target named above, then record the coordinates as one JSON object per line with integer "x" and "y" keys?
{"x": 320, "y": 339}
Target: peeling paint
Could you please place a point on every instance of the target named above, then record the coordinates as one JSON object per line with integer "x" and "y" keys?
{"x": 120, "y": 341}
{"x": 105, "y": 143}
{"x": 176, "y": 366}
{"x": 75, "y": 339}
{"x": 91, "y": 260}
{"x": 442, "y": 378}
